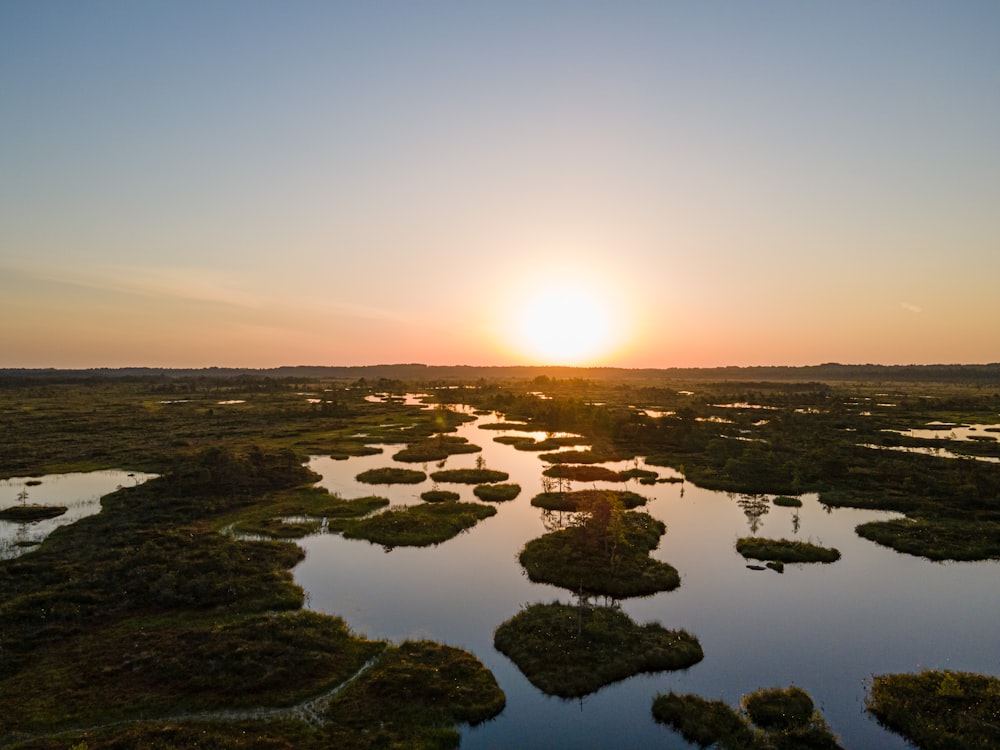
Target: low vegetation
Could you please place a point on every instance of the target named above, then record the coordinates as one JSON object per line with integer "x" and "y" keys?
{"x": 939, "y": 710}
{"x": 391, "y": 475}
{"x": 418, "y": 525}
{"x": 469, "y": 476}
{"x": 580, "y": 473}
{"x": 785, "y": 550}
{"x": 147, "y": 610}
{"x": 412, "y": 698}
{"x": 497, "y": 493}
{"x": 579, "y": 457}
{"x": 439, "y": 496}
{"x": 29, "y": 513}
{"x": 937, "y": 538}
{"x": 785, "y": 501}
{"x": 571, "y": 651}
{"x": 772, "y": 719}
{"x": 605, "y": 552}
{"x": 580, "y": 500}
{"x": 435, "y": 449}
{"x": 309, "y": 506}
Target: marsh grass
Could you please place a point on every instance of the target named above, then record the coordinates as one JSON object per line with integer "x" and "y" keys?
{"x": 435, "y": 449}
{"x": 29, "y": 513}
{"x": 785, "y": 551}
{"x": 939, "y": 710}
{"x": 571, "y": 651}
{"x": 772, "y": 719}
{"x": 584, "y": 560}
{"x": 936, "y": 539}
{"x": 315, "y": 503}
{"x": 785, "y": 501}
{"x": 391, "y": 475}
{"x": 469, "y": 476}
{"x": 522, "y": 443}
{"x": 580, "y": 500}
{"x": 579, "y": 473}
{"x": 439, "y": 496}
{"x": 412, "y": 698}
{"x": 580, "y": 457}
{"x": 418, "y": 525}
{"x": 497, "y": 493}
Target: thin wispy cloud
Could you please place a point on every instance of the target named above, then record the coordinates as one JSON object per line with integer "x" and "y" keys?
{"x": 910, "y": 307}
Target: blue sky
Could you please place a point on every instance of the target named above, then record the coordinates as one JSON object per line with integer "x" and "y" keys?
{"x": 258, "y": 183}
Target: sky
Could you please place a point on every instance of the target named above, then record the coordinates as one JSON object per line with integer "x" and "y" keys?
{"x": 633, "y": 183}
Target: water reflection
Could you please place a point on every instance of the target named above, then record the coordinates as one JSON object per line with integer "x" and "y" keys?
{"x": 823, "y": 628}
{"x": 80, "y": 493}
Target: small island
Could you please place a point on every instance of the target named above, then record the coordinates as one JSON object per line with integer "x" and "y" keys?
{"x": 571, "y": 651}
{"x": 785, "y": 551}
{"x": 31, "y": 513}
{"x": 605, "y": 553}
{"x": 770, "y": 718}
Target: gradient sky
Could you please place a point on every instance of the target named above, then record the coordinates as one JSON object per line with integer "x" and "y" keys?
{"x": 267, "y": 183}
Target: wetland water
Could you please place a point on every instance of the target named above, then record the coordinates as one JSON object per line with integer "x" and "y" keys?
{"x": 824, "y": 628}
{"x": 79, "y": 492}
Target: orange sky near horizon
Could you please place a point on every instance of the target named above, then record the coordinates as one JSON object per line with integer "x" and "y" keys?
{"x": 628, "y": 184}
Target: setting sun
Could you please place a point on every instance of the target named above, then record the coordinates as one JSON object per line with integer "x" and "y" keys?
{"x": 569, "y": 322}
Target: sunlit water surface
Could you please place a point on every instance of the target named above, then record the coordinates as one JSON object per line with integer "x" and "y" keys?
{"x": 825, "y": 628}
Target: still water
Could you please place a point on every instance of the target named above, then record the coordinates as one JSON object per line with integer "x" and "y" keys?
{"x": 79, "y": 492}
{"x": 825, "y": 628}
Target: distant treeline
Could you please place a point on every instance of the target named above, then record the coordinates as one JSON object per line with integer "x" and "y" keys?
{"x": 985, "y": 374}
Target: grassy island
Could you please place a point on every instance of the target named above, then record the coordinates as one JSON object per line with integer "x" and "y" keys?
{"x": 523, "y": 443}
{"x": 497, "y": 493}
{"x": 469, "y": 476}
{"x": 939, "y": 710}
{"x": 419, "y": 525}
{"x": 583, "y": 473}
{"x": 580, "y": 500}
{"x": 785, "y": 501}
{"x": 439, "y": 496}
{"x": 772, "y": 719}
{"x": 391, "y": 475}
{"x": 785, "y": 550}
{"x": 29, "y": 513}
{"x": 606, "y": 553}
{"x": 571, "y": 651}
{"x": 579, "y": 457}
{"x": 435, "y": 449}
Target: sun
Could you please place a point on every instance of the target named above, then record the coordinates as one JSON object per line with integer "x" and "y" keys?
{"x": 565, "y": 322}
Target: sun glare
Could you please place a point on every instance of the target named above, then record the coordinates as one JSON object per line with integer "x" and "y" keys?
{"x": 566, "y": 323}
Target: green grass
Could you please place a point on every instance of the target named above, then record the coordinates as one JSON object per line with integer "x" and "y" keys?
{"x": 469, "y": 476}
{"x": 391, "y": 475}
{"x": 571, "y": 651}
{"x": 939, "y": 710}
{"x": 785, "y": 550}
{"x": 497, "y": 493}
{"x": 418, "y": 525}
{"x": 779, "y": 708}
{"x": 936, "y": 539}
